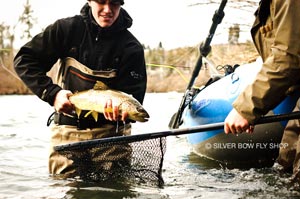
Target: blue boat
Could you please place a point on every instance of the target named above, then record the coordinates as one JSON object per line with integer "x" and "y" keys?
{"x": 212, "y": 105}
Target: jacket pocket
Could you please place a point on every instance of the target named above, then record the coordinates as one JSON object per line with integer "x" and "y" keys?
{"x": 74, "y": 76}
{"x": 267, "y": 30}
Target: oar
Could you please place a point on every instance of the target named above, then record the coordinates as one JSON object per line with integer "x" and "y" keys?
{"x": 146, "y": 136}
{"x": 205, "y": 48}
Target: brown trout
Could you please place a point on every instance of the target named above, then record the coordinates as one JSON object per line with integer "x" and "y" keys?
{"x": 94, "y": 100}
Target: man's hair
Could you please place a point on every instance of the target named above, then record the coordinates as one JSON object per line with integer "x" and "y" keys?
{"x": 121, "y": 1}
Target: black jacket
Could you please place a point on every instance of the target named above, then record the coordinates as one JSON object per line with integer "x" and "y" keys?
{"x": 98, "y": 48}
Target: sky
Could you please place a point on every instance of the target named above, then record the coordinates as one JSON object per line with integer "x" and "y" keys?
{"x": 173, "y": 22}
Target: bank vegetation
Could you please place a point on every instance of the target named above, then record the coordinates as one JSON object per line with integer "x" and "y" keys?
{"x": 168, "y": 70}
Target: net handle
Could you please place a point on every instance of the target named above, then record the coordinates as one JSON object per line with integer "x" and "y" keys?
{"x": 174, "y": 132}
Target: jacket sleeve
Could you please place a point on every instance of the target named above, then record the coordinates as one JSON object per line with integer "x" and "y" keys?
{"x": 133, "y": 76}
{"x": 141, "y": 84}
{"x": 281, "y": 68}
{"x": 37, "y": 57}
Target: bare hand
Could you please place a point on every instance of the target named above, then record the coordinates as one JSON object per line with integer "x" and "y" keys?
{"x": 235, "y": 123}
{"x": 112, "y": 112}
{"x": 62, "y": 103}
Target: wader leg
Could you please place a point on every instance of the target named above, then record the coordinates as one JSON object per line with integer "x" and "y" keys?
{"x": 289, "y": 153}
{"x": 61, "y": 134}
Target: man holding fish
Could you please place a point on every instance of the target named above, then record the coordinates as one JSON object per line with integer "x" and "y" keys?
{"x": 94, "y": 48}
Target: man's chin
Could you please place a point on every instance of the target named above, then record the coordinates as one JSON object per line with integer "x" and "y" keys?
{"x": 105, "y": 24}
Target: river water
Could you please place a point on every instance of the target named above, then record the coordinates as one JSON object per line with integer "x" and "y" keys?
{"x": 24, "y": 142}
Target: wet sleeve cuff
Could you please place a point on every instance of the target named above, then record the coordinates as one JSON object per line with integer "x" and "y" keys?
{"x": 50, "y": 93}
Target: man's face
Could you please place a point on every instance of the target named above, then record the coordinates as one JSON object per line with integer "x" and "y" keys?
{"x": 105, "y": 12}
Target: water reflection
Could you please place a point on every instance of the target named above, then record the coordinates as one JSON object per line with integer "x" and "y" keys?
{"x": 111, "y": 189}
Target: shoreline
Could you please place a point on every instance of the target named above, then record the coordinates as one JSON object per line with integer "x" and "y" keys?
{"x": 173, "y": 77}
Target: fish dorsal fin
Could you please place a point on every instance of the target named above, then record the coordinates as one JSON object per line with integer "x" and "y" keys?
{"x": 100, "y": 86}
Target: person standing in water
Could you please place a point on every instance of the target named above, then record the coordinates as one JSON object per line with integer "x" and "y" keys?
{"x": 276, "y": 37}
{"x": 93, "y": 46}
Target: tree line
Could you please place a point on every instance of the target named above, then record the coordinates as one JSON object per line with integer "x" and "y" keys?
{"x": 160, "y": 61}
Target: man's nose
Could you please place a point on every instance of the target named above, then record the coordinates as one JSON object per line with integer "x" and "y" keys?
{"x": 107, "y": 7}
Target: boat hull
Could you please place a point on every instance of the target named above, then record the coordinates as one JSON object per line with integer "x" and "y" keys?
{"x": 213, "y": 104}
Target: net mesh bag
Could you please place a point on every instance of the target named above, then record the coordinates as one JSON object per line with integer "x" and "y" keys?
{"x": 140, "y": 160}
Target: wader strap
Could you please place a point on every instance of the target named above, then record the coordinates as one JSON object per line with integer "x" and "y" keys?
{"x": 82, "y": 123}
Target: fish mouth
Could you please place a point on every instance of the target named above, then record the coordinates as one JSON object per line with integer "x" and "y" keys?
{"x": 145, "y": 119}
{"x": 141, "y": 117}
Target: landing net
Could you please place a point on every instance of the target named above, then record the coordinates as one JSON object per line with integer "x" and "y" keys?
{"x": 138, "y": 160}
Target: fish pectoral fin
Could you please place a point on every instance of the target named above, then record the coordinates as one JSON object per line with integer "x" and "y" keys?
{"x": 78, "y": 111}
{"x": 94, "y": 114}
{"x": 88, "y": 113}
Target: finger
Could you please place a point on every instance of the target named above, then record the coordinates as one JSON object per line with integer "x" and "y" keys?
{"x": 230, "y": 129}
{"x": 227, "y": 129}
{"x": 104, "y": 111}
{"x": 115, "y": 113}
{"x": 233, "y": 131}
{"x": 64, "y": 106}
{"x": 67, "y": 108}
{"x": 239, "y": 130}
{"x": 69, "y": 94}
{"x": 107, "y": 114}
{"x": 250, "y": 129}
{"x": 124, "y": 116}
{"x": 236, "y": 129}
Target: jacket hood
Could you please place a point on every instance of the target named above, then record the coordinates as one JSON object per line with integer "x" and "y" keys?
{"x": 124, "y": 21}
